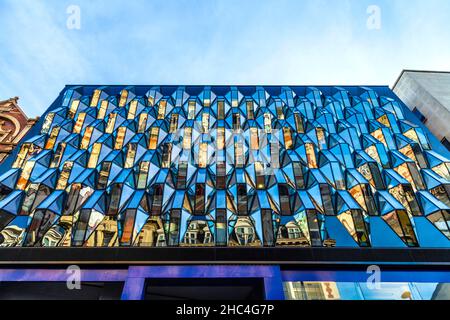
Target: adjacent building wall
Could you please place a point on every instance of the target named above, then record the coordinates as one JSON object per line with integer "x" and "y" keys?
{"x": 14, "y": 125}
{"x": 429, "y": 93}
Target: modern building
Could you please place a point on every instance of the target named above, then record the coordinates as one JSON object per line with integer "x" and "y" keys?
{"x": 14, "y": 124}
{"x": 427, "y": 94}
{"x": 241, "y": 192}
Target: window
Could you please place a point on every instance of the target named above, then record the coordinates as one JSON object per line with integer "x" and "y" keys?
{"x": 399, "y": 221}
{"x": 64, "y": 176}
{"x": 123, "y": 98}
{"x": 166, "y": 155}
{"x": 275, "y": 154}
{"x": 47, "y": 123}
{"x": 111, "y": 122}
{"x": 102, "y": 111}
{"x": 104, "y": 174}
{"x": 206, "y": 101}
{"x": 143, "y": 173}
{"x": 254, "y": 140}
{"x": 371, "y": 172}
{"x": 52, "y": 138}
{"x": 131, "y": 154}
{"x": 173, "y": 123}
{"x": 362, "y": 236}
{"x": 267, "y": 123}
{"x": 187, "y": 138}
{"x": 113, "y": 207}
{"x": 361, "y": 193}
{"x": 132, "y": 110}
{"x": 95, "y": 97}
{"x": 238, "y": 154}
{"x": 314, "y": 228}
{"x": 151, "y": 100}
{"x": 441, "y": 220}
{"x": 322, "y": 143}
{"x": 242, "y": 198}
{"x": 199, "y": 198}
{"x": 174, "y": 227}
{"x": 260, "y": 176}
{"x": 220, "y": 138}
{"x": 79, "y": 124}
{"x": 325, "y": 192}
{"x": 221, "y": 227}
{"x": 268, "y": 234}
{"x": 162, "y": 109}
{"x": 157, "y": 199}
{"x": 298, "y": 175}
{"x": 190, "y": 237}
{"x": 294, "y": 233}
{"x": 128, "y": 226}
{"x": 25, "y": 150}
{"x": 379, "y": 135}
{"x": 153, "y": 141}
{"x": 245, "y": 232}
{"x": 287, "y": 138}
{"x": 283, "y": 191}
{"x": 191, "y": 110}
{"x": 86, "y": 138}
{"x": 250, "y": 110}
{"x": 221, "y": 175}
{"x": 95, "y": 153}
{"x": 73, "y": 109}
{"x": 120, "y": 138}
{"x": 25, "y": 175}
{"x": 203, "y": 155}
{"x": 220, "y": 110}
{"x": 236, "y": 121}
{"x": 311, "y": 155}
{"x": 182, "y": 174}
{"x": 58, "y": 155}
{"x": 142, "y": 122}
{"x": 205, "y": 122}
{"x": 280, "y": 113}
{"x": 384, "y": 120}
{"x": 299, "y": 123}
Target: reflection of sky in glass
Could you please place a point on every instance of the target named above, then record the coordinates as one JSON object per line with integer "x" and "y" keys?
{"x": 387, "y": 291}
{"x": 425, "y": 290}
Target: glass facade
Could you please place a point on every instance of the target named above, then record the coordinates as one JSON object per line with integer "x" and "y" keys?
{"x": 322, "y": 290}
{"x": 226, "y": 166}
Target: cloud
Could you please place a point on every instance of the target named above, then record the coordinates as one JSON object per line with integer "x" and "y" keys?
{"x": 214, "y": 42}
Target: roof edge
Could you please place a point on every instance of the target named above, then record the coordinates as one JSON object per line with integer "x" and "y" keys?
{"x": 416, "y": 71}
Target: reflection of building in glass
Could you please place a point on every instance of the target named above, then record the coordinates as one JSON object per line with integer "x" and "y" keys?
{"x": 11, "y": 236}
{"x": 244, "y": 233}
{"x": 198, "y": 233}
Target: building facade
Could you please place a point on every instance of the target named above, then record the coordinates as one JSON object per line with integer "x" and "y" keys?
{"x": 427, "y": 94}
{"x": 284, "y": 192}
{"x": 14, "y": 125}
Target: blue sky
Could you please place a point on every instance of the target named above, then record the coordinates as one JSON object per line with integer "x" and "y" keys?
{"x": 214, "y": 42}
